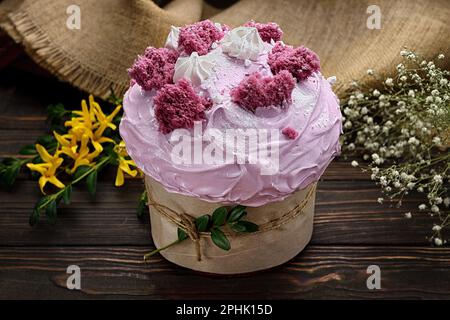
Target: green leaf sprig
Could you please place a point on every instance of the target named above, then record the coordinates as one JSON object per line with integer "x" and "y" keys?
{"x": 214, "y": 224}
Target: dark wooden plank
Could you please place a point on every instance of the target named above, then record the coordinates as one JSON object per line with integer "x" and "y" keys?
{"x": 346, "y": 213}
{"x": 319, "y": 272}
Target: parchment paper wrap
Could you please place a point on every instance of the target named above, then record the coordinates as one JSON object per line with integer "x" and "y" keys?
{"x": 271, "y": 246}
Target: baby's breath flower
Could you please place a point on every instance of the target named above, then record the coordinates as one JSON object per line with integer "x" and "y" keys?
{"x": 389, "y": 82}
{"x": 435, "y": 92}
{"x": 447, "y": 201}
{"x": 408, "y": 215}
{"x": 355, "y": 163}
{"x": 438, "y": 241}
{"x": 437, "y": 178}
{"x": 404, "y": 129}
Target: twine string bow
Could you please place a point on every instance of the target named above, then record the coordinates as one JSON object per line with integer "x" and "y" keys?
{"x": 182, "y": 220}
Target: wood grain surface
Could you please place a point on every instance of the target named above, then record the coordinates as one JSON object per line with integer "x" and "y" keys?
{"x": 106, "y": 239}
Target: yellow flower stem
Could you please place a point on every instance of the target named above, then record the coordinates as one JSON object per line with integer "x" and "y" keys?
{"x": 55, "y": 196}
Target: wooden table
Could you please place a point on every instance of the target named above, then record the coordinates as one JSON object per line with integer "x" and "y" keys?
{"x": 105, "y": 238}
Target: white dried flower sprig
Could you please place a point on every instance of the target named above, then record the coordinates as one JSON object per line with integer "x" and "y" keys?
{"x": 402, "y": 128}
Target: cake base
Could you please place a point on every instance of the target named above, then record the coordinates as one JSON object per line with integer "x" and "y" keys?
{"x": 285, "y": 229}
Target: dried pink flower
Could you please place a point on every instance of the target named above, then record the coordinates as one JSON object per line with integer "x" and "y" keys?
{"x": 178, "y": 106}
{"x": 301, "y": 62}
{"x": 155, "y": 68}
{"x": 267, "y": 31}
{"x": 258, "y": 91}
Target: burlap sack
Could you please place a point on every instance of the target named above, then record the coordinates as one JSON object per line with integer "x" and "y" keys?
{"x": 113, "y": 32}
{"x": 285, "y": 228}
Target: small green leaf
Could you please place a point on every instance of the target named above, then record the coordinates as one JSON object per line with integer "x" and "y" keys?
{"x": 219, "y": 216}
{"x": 81, "y": 170}
{"x": 244, "y": 226}
{"x": 47, "y": 141}
{"x": 51, "y": 212}
{"x": 56, "y": 112}
{"x": 202, "y": 223}
{"x": 142, "y": 204}
{"x": 34, "y": 217}
{"x": 220, "y": 239}
{"x": 28, "y": 150}
{"x": 10, "y": 172}
{"x": 181, "y": 235}
{"x": 91, "y": 182}
{"x": 42, "y": 203}
{"x": 67, "y": 193}
{"x": 237, "y": 213}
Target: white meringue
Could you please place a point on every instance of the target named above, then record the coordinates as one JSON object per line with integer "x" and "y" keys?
{"x": 332, "y": 80}
{"x": 243, "y": 43}
{"x": 194, "y": 68}
{"x": 172, "y": 38}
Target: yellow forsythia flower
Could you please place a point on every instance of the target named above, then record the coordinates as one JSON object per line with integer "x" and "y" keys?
{"x": 80, "y": 153}
{"x": 124, "y": 164}
{"x": 48, "y": 168}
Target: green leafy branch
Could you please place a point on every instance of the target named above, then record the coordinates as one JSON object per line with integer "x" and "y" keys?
{"x": 213, "y": 225}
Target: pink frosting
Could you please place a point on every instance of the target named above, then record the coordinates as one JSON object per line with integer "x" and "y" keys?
{"x": 313, "y": 113}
